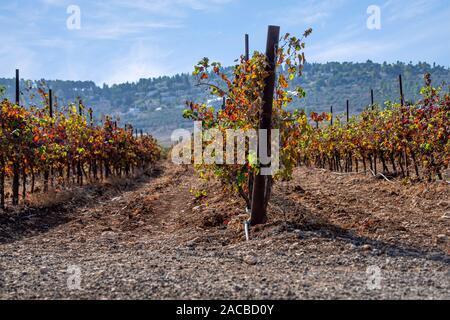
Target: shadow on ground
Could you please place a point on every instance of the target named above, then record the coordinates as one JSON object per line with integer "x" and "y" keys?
{"x": 22, "y": 223}
{"x": 310, "y": 225}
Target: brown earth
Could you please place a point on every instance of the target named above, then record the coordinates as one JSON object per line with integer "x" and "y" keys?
{"x": 152, "y": 238}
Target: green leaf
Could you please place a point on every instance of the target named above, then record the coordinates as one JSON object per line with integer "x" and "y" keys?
{"x": 187, "y": 113}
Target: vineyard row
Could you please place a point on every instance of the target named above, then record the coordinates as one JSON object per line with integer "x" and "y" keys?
{"x": 64, "y": 148}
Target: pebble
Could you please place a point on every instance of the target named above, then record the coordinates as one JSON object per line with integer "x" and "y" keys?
{"x": 44, "y": 270}
{"x": 109, "y": 235}
{"x": 192, "y": 243}
{"x": 251, "y": 260}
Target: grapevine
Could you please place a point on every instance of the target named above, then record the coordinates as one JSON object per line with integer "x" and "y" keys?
{"x": 243, "y": 92}
{"x": 67, "y": 146}
{"x": 399, "y": 140}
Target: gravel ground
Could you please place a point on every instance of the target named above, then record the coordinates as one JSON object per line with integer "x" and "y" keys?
{"x": 156, "y": 242}
{"x": 311, "y": 268}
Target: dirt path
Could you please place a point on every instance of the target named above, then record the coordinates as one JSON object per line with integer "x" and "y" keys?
{"x": 346, "y": 236}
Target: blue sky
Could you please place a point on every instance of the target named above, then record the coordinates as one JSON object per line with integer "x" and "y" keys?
{"x": 125, "y": 40}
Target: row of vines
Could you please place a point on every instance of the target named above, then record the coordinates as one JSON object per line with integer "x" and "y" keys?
{"x": 64, "y": 148}
{"x": 398, "y": 140}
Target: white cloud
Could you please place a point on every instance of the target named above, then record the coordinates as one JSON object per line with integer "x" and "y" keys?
{"x": 310, "y": 12}
{"x": 124, "y": 40}
{"x": 16, "y": 56}
{"x": 54, "y": 2}
{"x": 350, "y": 51}
{"x": 170, "y": 8}
{"x": 118, "y": 30}
{"x": 407, "y": 10}
{"x": 74, "y": 55}
{"x": 105, "y": 20}
{"x": 139, "y": 62}
{"x": 357, "y": 44}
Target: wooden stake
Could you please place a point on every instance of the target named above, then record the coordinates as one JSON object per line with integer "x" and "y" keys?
{"x": 50, "y": 103}
{"x": 17, "y": 87}
{"x": 402, "y": 97}
{"x": 91, "y": 117}
{"x": 16, "y": 166}
{"x": 79, "y": 164}
{"x": 331, "y": 111}
{"x": 372, "y": 103}
{"x": 247, "y": 50}
{"x": 348, "y": 111}
{"x": 80, "y": 107}
{"x": 262, "y": 184}
{"x": 50, "y": 109}
{"x": 251, "y": 176}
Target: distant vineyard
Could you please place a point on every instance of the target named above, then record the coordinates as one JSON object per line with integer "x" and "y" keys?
{"x": 403, "y": 140}
{"x": 64, "y": 148}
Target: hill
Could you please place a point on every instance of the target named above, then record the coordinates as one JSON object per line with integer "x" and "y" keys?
{"x": 155, "y": 105}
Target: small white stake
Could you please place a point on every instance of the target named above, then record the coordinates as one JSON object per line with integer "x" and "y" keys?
{"x": 246, "y": 227}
